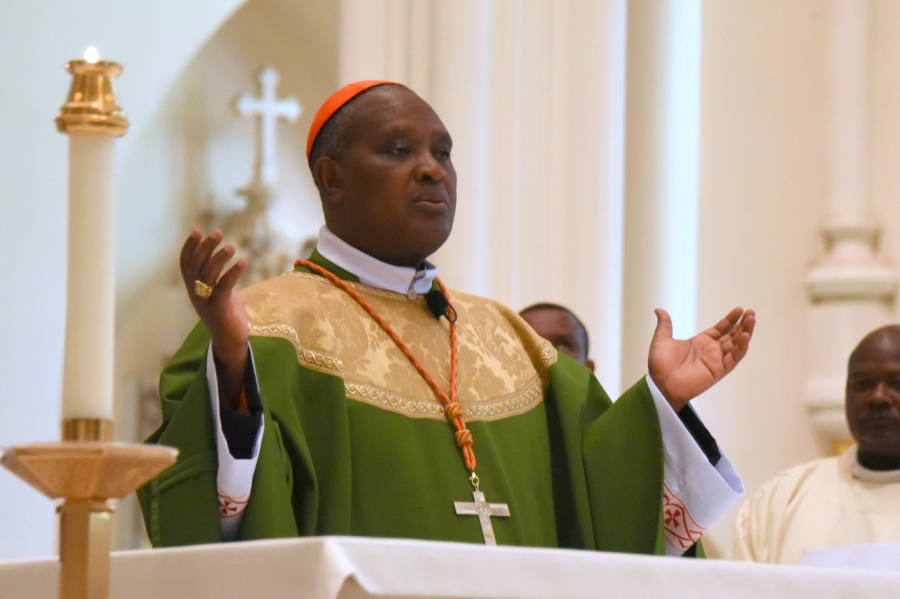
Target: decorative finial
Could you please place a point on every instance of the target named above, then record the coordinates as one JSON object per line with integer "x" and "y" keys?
{"x": 91, "y": 106}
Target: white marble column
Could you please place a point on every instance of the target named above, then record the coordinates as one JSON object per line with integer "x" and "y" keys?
{"x": 461, "y": 62}
{"x": 661, "y": 173}
{"x": 363, "y": 49}
{"x": 386, "y": 39}
{"x": 522, "y": 121}
{"x": 586, "y": 159}
{"x": 851, "y": 288}
{"x": 558, "y": 88}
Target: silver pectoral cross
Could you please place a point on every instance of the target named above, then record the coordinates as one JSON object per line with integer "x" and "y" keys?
{"x": 483, "y": 510}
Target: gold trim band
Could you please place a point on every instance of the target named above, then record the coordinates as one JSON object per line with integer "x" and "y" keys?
{"x": 87, "y": 429}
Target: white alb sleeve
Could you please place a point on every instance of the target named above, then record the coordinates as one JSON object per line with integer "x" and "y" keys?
{"x": 235, "y": 477}
{"x": 695, "y": 492}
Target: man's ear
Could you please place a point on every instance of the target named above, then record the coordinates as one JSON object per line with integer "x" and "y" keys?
{"x": 330, "y": 176}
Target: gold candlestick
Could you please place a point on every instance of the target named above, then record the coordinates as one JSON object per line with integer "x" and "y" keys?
{"x": 87, "y": 469}
{"x": 91, "y": 106}
{"x": 89, "y": 472}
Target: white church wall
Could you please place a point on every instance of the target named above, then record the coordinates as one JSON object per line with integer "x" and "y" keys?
{"x": 762, "y": 204}
{"x": 153, "y": 41}
{"x": 196, "y": 152}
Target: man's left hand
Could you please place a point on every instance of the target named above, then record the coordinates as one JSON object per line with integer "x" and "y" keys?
{"x": 685, "y": 368}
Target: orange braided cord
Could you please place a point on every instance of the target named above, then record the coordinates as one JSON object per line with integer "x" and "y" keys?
{"x": 454, "y": 345}
{"x": 453, "y": 409}
{"x": 469, "y": 457}
{"x": 463, "y": 437}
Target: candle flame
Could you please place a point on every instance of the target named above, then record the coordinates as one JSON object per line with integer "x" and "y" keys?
{"x": 92, "y": 55}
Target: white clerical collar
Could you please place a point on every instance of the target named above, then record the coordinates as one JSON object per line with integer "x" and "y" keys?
{"x": 372, "y": 271}
{"x": 861, "y": 473}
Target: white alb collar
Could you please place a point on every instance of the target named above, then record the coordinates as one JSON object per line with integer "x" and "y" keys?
{"x": 861, "y": 473}
{"x": 372, "y": 271}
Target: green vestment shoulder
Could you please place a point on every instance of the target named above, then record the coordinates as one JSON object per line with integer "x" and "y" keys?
{"x": 356, "y": 443}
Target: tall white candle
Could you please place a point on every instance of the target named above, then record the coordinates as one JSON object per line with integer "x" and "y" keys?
{"x": 90, "y": 309}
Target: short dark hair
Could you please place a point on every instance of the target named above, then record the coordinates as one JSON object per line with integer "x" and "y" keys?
{"x": 582, "y": 330}
{"x": 334, "y": 135}
{"x": 890, "y": 328}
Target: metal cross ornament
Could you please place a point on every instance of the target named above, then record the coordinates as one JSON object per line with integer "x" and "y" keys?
{"x": 483, "y": 510}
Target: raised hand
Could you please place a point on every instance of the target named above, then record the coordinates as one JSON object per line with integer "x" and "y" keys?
{"x": 685, "y": 368}
{"x": 222, "y": 311}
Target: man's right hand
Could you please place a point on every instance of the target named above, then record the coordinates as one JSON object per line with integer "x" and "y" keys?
{"x": 223, "y": 312}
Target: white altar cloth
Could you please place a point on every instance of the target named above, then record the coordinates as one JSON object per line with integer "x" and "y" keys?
{"x": 353, "y": 568}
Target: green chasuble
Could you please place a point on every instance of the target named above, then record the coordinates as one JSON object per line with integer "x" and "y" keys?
{"x": 356, "y": 442}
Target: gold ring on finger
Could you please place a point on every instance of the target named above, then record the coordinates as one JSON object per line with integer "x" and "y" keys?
{"x": 202, "y": 289}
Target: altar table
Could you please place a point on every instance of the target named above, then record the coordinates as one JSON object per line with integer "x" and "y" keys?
{"x": 355, "y": 568}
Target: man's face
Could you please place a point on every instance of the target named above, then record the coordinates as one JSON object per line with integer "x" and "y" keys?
{"x": 873, "y": 394}
{"x": 397, "y": 184}
{"x": 561, "y": 330}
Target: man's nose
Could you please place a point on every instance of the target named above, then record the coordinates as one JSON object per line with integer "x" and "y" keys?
{"x": 429, "y": 170}
{"x": 881, "y": 394}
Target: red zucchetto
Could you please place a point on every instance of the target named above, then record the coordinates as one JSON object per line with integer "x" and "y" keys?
{"x": 334, "y": 103}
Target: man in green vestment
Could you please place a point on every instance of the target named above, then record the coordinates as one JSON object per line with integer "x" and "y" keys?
{"x": 295, "y": 413}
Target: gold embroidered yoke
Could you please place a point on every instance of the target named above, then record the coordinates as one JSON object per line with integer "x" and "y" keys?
{"x": 333, "y": 334}
{"x": 402, "y": 451}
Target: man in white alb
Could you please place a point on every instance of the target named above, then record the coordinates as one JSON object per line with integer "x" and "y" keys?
{"x": 852, "y": 499}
